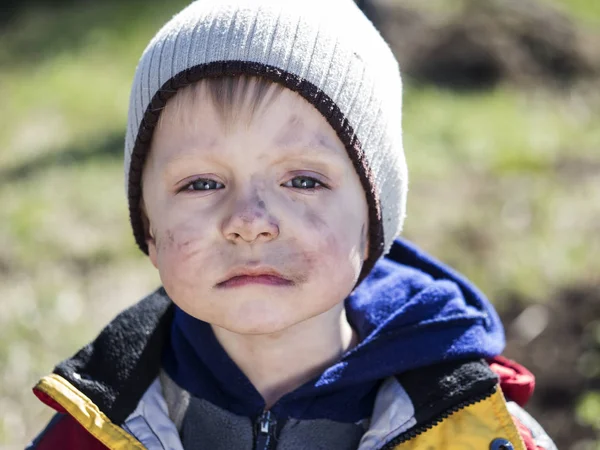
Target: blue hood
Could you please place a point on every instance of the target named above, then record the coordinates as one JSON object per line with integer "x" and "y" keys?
{"x": 411, "y": 311}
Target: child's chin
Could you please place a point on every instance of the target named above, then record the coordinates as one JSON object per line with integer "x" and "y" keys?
{"x": 258, "y": 326}
{"x": 255, "y": 315}
{"x": 257, "y": 322}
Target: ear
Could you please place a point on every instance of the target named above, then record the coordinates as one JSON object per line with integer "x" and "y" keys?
{"x": 149, "y": 236}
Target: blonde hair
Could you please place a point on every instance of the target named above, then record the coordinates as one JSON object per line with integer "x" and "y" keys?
{"x": 233, "y": 97}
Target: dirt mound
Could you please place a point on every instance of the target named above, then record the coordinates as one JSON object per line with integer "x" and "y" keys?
{"x": 559, "y": 341}
{"x": 484, "y": 43}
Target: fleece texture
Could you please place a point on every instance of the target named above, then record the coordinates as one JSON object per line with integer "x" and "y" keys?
{"x": 410, "y": 312}
{"x": 116, "y": 368}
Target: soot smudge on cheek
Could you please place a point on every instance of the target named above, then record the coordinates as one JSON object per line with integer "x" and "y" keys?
{"x": 317, "y": 222}
{"x": 166, "y": 241}
{"x": 303, "y": 264}
{"x": 294, "y": 260}
{"x": 327, "y": 240}
{"x": 183, "y": 243}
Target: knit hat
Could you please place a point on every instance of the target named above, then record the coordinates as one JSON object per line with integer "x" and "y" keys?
{"x": 325, "y": 50}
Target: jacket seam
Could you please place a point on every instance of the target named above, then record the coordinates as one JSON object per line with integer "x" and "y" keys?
{"x": 149, "y": 427}
{"x": 143, "y": 417}
{"x": 394, "y": 433}
{"x": 508, "y": 428}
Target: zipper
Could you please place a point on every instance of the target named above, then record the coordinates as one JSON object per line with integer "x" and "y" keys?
{"x": 418, "y": 430}
{"x": 265, "y": 431}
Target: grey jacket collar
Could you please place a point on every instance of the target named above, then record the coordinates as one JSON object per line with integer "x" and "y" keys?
{"x": 152, "y": 425}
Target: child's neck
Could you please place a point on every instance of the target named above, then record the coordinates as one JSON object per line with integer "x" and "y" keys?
{"x": 277, "y": 364}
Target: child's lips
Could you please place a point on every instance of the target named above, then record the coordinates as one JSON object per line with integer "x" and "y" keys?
{"x": 248, "y": 276}
{"x": 244, "y": 280}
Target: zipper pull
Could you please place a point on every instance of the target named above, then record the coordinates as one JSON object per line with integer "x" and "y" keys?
{"x": 266, "y": 426}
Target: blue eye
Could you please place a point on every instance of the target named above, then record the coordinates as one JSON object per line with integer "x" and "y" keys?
{"x": 204, "y": 185}
{"x": 303, "y": 182}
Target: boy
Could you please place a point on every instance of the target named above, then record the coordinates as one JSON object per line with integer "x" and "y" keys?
{"x": 266, "y": 180}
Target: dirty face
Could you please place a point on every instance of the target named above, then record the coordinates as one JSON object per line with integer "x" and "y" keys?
{"x": 257, "y": 223}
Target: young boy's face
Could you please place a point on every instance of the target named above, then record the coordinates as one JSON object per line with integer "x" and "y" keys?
{"x": 256, "y": 223}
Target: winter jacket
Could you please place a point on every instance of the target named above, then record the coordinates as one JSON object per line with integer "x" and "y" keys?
{"x": 426, "y": 369}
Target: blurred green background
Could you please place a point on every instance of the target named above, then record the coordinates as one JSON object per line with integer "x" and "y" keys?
{"x": 502, "y": 136}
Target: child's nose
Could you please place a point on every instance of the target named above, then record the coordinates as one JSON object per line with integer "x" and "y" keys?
{"x": 250, "y": 222}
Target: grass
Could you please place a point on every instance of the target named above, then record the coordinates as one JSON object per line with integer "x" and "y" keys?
{"x": 528, "y": 161}
{"x": 77, "y": 87}
{"x": 584, "y": 11}
{"x": 502, "y": 187}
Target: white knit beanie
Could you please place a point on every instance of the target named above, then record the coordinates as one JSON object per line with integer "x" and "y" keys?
{"x": 325, "y": 50}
